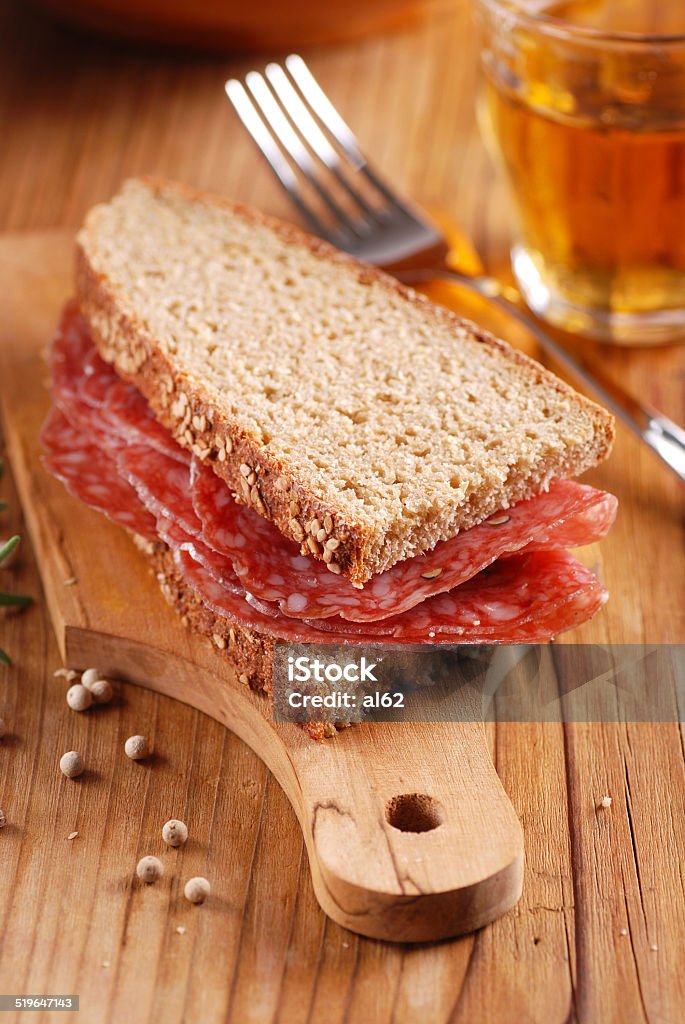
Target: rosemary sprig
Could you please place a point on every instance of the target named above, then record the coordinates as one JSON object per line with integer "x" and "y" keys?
{"x": 8, "y": 547}
{"x": 10, "y": 600}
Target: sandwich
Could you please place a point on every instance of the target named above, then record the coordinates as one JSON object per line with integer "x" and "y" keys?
{"x": 307, "y": 450}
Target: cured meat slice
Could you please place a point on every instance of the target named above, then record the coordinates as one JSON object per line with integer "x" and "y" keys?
{"x": 525, "y": 598}
{"x": 529, "y": 597}
{"x": 90, "y": 477}
{"x": 162, "y": 484}
{"x": 91, "y": 394}
{"x": 132, "y": 418}
{"x": 218, "y": 566}
{"x": 77, "y": 367}
{"x": 60, "y": 437}
{"x": 68, "y": 352}
{"x": 89, "y": 421}
{"x": 511, "y": 603}
{"x": 586, "y": 527}
{"x": 73, "y": 365}
{"x": 96, "y": 379}
{"x": 273, "y": 569}
{"x": 225, "y": 601}
{"x": 498, "y": 603}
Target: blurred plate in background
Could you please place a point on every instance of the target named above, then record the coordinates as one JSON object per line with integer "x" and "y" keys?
{"x": 236, "y": 25}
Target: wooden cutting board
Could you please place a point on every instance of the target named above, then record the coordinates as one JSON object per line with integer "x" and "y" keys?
{"x": 369, "y": 876}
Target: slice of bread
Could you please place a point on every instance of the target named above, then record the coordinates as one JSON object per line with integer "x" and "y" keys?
{"x": 367, "y": 423}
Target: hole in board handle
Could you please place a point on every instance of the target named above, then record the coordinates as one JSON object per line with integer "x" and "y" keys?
{"x": 414, "y": 812}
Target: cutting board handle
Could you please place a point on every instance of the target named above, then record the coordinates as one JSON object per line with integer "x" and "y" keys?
{"x": 410, "y": 834}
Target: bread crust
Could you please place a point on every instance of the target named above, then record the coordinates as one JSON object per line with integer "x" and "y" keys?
{"x": 257, "y": 478}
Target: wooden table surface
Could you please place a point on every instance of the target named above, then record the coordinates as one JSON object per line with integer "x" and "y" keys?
{"x": 599, "y": 935}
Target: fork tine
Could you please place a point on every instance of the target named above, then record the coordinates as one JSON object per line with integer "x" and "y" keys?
{"x": 248, "y": 114}
{"x": 312, "y": 134}
{"x": 291, "y": 142}
{"x": 324, "y": 109}
{"x": 341, "y": 132}
{"x": 302, "y": 135}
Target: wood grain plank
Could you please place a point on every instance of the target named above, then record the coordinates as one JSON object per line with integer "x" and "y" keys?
{"x": 621, "y": 846}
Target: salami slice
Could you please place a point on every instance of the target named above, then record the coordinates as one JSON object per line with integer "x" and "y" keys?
{"x": 74, "y": 363}
{"x": 218, "y": 566}
{"x": 162, "y": 484}
{"x": 586, "y": 527}
{"x": 90, "y": 477}
{"x": 77, "y": 368}
{"x": 96, "y": 379}
{"x": 273, "y": 569}
{"x": 225, "y": 601}
{"x": 132, "y": 418}
{"x": 527, "y": 597}
{"x": 70, "y": 347}
{"x": 89, "y": 420}
{"x": 90, "y": 393}
{"x": 511, "y": 601}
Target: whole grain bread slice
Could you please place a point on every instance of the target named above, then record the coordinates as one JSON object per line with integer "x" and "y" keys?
{"x": 366, "y": 422}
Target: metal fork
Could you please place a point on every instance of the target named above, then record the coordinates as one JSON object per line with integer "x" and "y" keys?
{"x": 320, "y": 164}
{"x": 375, "y": 225}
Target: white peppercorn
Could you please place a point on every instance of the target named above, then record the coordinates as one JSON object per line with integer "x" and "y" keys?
{"x": 197, "y": 890}
{"x": 3, "y": 819}
{"x": 136, "y": 748}
{"x": 174, "y": 832}
{"x": 79, "y": 698}
{"x": 71, "y": 764}
{"x": 102, "y": 691}
{"x": 90, "y": 676}
{"x": 149, "y": 869}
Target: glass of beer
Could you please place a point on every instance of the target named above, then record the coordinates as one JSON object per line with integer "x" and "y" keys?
{"x": 584, "y": 104}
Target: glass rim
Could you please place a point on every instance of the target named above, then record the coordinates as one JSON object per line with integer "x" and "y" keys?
{"x": 566, "y": 29}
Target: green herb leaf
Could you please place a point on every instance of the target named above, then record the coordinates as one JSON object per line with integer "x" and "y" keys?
{"x": 8, "y": 547}
{"x": 15, "y": 600}
{"x": 9, "y": 600}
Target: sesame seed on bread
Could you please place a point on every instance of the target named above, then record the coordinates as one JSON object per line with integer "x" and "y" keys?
{"x": 366, "y": 422}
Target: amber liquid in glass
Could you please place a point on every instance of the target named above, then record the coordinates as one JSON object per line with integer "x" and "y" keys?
{"x": 594, "y": 147}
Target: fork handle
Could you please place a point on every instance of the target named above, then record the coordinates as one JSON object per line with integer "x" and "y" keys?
{"x": 658, "y": 432}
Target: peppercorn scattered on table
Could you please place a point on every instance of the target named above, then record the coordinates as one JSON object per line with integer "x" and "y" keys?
{"x": 600, "y": 929}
